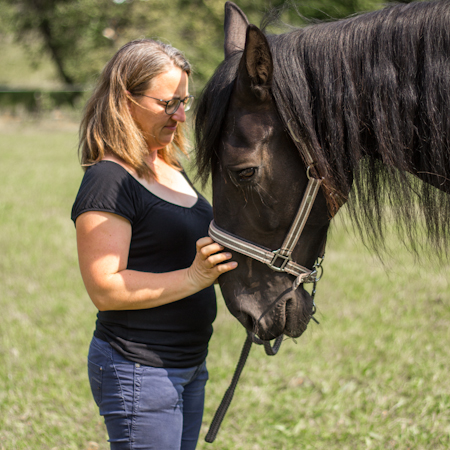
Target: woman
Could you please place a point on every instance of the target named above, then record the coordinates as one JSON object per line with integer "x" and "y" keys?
{"x": 143, "y": 258}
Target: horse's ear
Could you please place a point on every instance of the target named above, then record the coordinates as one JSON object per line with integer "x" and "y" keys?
{"x": 235, "y": 26}
{"x": 256, "y": 66}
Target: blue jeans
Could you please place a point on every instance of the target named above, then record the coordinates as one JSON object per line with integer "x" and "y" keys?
{"x": 146, "y": 407}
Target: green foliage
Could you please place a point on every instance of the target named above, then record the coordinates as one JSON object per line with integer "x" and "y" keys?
{"x": 71, "y": 32}
{"x": 81, "y": 35}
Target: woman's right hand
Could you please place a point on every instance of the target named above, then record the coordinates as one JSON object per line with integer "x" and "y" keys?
{"x": 209, "y": 263}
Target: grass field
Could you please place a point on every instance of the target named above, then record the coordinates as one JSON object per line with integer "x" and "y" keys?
{"x": 372, "y": 375}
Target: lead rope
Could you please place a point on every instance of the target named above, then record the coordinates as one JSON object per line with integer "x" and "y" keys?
{"x": 228, "y": 396}
{"x": 270, "y": 350}
{"x": 229, "y": 393}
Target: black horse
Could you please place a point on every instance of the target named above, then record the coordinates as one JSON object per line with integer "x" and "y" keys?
{"x": 361, "y": 105}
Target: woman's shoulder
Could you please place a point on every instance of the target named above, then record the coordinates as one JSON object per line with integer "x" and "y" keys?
{"x": 107, "y": 186}
{"x": 109, "y": 176}
{"x": 107, "y": 167}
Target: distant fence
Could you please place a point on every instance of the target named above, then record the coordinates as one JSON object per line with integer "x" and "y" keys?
{"x": 35, "y": 100}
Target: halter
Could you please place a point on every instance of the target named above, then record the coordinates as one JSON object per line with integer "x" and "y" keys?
{"x": 279, "y": 260}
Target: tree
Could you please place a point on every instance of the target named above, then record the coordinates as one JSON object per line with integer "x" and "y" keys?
{"x": 72, "y": 32}
{"x": 81, "y": 35}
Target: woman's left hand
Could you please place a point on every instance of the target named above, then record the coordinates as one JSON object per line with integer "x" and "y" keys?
{"x": 209, "y": 263}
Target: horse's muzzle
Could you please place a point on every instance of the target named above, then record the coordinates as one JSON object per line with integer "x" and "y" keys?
{"x": 268, "y": 314}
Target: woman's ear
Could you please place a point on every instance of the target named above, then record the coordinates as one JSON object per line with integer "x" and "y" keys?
{"x": 132, "y": 103}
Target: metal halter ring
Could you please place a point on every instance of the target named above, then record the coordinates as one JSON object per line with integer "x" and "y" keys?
{"x": 318, "y": 268}
{"x": 308, "y": 171}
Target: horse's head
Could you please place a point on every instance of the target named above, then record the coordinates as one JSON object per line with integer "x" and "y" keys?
{"x": 259, "y": 179}
{"x": 348, "y": 96}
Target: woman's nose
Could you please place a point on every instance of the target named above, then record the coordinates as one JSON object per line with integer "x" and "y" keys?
{"x": 179, "y": 115}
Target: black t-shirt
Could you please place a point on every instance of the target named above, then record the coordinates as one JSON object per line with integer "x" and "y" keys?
{"x": 163, "y": 239}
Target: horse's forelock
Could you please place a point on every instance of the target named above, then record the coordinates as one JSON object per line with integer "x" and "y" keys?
{"x": 210, "y": 114}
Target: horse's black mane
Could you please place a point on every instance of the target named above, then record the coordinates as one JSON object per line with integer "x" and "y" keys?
{"x": 370, "y": 98}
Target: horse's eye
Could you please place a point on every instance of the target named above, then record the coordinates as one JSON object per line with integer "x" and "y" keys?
{"x": 247, "y": 174}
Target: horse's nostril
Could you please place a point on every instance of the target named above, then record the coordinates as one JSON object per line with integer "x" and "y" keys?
{"x": 247, "y": 321}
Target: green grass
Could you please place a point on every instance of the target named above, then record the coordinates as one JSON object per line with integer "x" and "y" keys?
{"x": 372, "y": 375}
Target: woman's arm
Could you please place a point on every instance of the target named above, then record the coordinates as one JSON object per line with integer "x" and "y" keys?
{"x": 103, "y": 241}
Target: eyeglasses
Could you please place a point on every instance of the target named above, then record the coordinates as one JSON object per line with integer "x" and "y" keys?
{"x": 173, "y": 105}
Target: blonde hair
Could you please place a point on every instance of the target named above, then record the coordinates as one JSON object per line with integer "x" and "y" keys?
{"x": 107, "y": 126}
